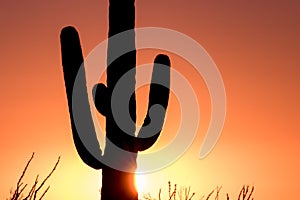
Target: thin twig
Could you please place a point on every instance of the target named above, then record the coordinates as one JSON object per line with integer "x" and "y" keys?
{"x": 35, "y": 193}
{"x": 245, "y": 192}
{"x": 159, "y": 193}
{"x": 218, "y": 191}
{"x": 251, "y": 193}
{"x": 29, "y": 196}
{"x": 44, "y": 192}
{"x": 19, "y": 183}
{"x": 23, "y": 189}
{"x": 210, "y": 194}
{"x": 25, "y": 169}
{"x": 192, "y": 195}
{"x": 242, "y": 190}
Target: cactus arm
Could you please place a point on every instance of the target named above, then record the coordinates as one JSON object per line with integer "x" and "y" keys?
{"x": 71, "y": 60}
{"x": 159, "y": 95}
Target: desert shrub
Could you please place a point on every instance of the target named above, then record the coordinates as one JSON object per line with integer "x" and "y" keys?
{"x": 19, "y": 192}
{"x": 184, "y": 193}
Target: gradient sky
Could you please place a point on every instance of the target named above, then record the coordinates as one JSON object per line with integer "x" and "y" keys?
{"x": 255, "y": 45}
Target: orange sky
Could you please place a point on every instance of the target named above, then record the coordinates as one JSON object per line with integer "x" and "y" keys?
{"x": 255, "y": 45}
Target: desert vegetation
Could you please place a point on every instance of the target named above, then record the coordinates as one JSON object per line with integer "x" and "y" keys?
{"x": 19, "y": 192}
{"x": 184, "y": 193}
{"x": 38, "y": 190}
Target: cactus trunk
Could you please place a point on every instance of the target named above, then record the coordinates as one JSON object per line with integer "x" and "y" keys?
{"x": 118, "y": 184}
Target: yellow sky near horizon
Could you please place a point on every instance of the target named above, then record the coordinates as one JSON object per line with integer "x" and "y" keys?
{"x": 256, "y": 47}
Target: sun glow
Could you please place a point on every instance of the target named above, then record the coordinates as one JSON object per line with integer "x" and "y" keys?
{"x": 140, "y": 182}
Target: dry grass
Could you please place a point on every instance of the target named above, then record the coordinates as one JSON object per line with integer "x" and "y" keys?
{"x": 19, "y": 192}
{"x": 186, "y": 194}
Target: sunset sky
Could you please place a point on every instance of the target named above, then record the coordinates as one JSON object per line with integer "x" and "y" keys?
{"x": 256, "y": 46}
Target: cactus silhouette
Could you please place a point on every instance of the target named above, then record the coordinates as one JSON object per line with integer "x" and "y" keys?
{"x": 117, "y": 183}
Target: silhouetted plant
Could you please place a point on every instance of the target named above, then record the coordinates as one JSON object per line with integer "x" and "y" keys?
{"x": 245, "y": 193}
{"x": 18, "y": 193}
{"x": 116, "y": 183}
{"x": 185, "y": 194}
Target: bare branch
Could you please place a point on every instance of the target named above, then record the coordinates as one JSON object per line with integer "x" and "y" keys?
{"x": 35, "y": 193}
{"x": 242, "y": 191}
{"x": 19, "y": 183}
{"x": 25, "y": 169}
{"x": 251, "y": 193}
{"x": 159, "y": 193}
{"x": 29, "y": 196}
{"x": 44, "y": 192}
{"x": 210, "y": 194}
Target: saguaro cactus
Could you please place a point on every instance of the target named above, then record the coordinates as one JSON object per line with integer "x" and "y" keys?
{"x": 117, "y": 183}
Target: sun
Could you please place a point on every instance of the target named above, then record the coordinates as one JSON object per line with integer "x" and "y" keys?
{"x": 140, "y": 182}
